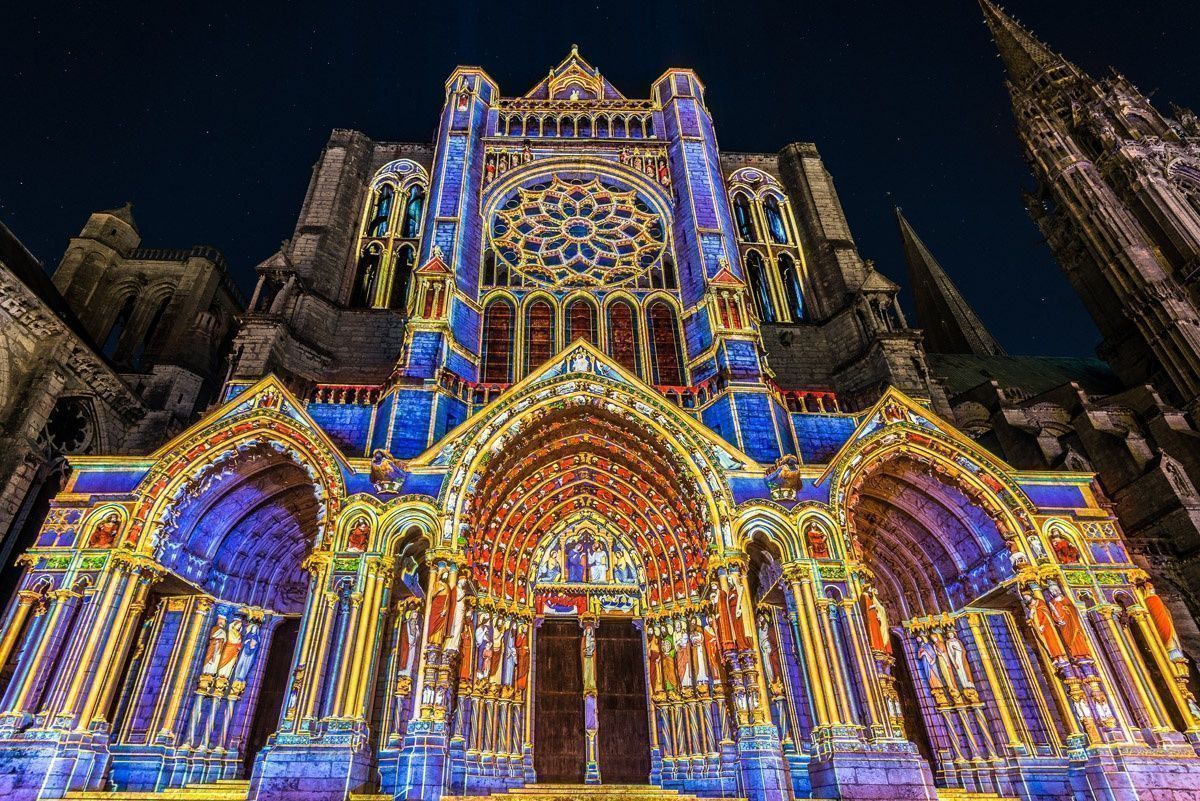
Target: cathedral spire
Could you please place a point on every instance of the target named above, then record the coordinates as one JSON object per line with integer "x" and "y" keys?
{"x": 1024, "y": 56}
{"x": 951, "y": 325}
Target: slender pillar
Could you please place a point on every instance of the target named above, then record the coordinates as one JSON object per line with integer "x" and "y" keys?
{"x": 591, "y": 720}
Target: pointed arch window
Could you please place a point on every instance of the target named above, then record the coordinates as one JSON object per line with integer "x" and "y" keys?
{"x": 623, "y": 336}
{"x": 366, "y": 276}
{"x": 539, "y": 334}
{"x": 775, "y": 221}
{"x": 744, "y": 218}
{"x": 497, "y": 351}
{"x": 756, "y": 272}
{"x": 381, "y": 211}
{"x": 148, "y": 338}
{"x": 401, "y": 275}
{"x": 790, "y": 278}
{"x": 118, "y": 327}
{"x": 581, "y": 321}
{"x": 664, "y": 344}
{"x": 411, "y": 228}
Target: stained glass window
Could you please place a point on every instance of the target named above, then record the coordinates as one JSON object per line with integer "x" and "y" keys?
{"x": 622, "y": 335}
{"x": 581, "y": 321}
{"x": 578, "y": 233}
{"x": 757, "y": 274}
{"x": 381, "y": 213}
{"x": 664, "y": 344}
{"x": 402, "y": 271}
{"x": 365, "y": 276}
{"x": 497, "y": 342}
{"x": 775, "y": 222}
{"x": 744, "y": 217}
{"x": 791, "y": 286}
{"x": 412, "y": 213}
{"x": 539, "y": 334}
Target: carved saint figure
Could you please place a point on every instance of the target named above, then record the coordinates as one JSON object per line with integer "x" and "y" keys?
{"x": 1064, "y": 549}
{"x": 818, "y": 541}
{"x": 409, "y": 641}
{"x": 250, "y": 642}
{"x": 597, "y": 564}
{"x": 877, "y": 623}
{"x": 439, "y": 606}
{"x": 1163, "y": 624}
{"x": 359, "y": 536}
{"x": 216, "y": 645}
{"x": 1044, "y": 627}
{"x": 106, "y": 533}
{"x": 576, "y": 562}
{"x": 1066, "y": 616}
{"x": 928, "y": 658}
{"x": 231, "y": 649}
{"x": 958, "y": 658}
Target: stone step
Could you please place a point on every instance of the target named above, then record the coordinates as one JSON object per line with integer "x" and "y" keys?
{"x": 590, "y": 792}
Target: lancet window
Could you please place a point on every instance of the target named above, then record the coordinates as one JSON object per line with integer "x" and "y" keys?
{"x": 498, "y": 332}
{"x": 664, "y": 344}
{"x": 390, "y": 236}
{"x": 774, "y": 263}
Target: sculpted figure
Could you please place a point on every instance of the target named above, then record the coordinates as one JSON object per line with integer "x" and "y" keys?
{"x": 231, "y": 649}
{"x": 359, "y": 536}
{"x": 106, "y": 533}
{"x": 1163, "y": 624}
{"x": 818, "y": 542}
{"x": 958, "y": 658}
{"x": 877, "y": 623}
{"x": 216, "y": 644}
{"x": 1064, "y": 549}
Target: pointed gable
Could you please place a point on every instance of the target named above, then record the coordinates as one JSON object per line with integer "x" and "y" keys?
{"x": 574, "y": 79}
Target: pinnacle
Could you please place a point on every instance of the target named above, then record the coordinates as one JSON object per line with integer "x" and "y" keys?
{"x": 1024, "y": 56}
{"x": 951, "y": 325}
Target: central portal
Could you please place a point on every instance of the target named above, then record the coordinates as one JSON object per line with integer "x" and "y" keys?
{"x": 623, "y": 731}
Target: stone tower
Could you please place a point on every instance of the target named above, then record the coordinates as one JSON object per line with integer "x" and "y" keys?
{"x": 1118, "y": 200}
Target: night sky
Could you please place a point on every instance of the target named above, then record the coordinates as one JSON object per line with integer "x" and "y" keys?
{"x": 209, "y": 120}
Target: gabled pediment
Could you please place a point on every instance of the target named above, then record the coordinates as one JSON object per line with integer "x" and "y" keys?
{"x": 574, "y": 79}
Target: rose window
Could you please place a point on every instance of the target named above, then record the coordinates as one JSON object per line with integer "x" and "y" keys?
{"x": 580, "y": 233}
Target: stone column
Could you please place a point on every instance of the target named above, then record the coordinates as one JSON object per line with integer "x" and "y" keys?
{"x": 591, "y": 718}
{"x": 15, "y": 626}
{"x": 760, "y": 752}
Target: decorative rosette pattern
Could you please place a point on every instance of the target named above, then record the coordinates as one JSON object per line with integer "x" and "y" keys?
{"x": 578, "y": 233}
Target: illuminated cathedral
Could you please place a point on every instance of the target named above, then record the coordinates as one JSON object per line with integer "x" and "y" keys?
{"x": 518, "y": 480}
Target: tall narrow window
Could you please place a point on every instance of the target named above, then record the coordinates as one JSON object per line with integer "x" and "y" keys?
{"x": 489, "y": 267}
{"x": 401, "y": 275}
{"x": 670, "y": 279}
{"x": 498, "y": 342}
{"x": 365, "y": 276}
{"x": 790, "y": 279}
{"x": 622, "y": 336}
{"x": 135, "y": 360}
{"x": 381, "y": 212}
{"x": 664, "y": 345}
{"x": 411, "y": 228}
{"x": 757, "y": 274}
{"x": 775, "y": 221}
{"x": 539, "y": 334}
{"x": 581, "y": 321}
{"x": 118, "y": 327}
{"x": 744, "y": 218}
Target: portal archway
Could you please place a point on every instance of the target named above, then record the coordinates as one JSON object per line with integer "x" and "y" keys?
{"x": 210, "y": 672}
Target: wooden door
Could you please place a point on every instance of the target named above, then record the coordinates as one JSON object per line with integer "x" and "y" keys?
{"x": 558, "y": 755}
{"x": 624, "y": 735}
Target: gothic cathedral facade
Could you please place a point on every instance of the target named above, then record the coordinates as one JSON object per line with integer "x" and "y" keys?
{"x": 502, "y": 490}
